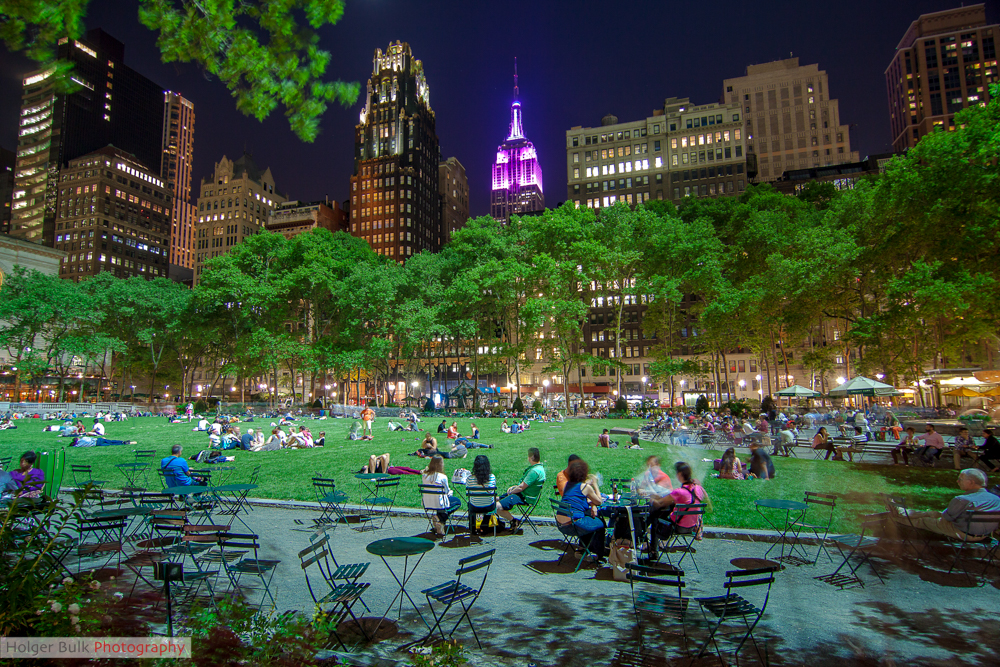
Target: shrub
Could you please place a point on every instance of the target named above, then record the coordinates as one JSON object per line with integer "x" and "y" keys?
{"x": 318, "y": 403}
{"x": 518, "y": 405}
{"x": 201, "y": 406}
{"x": 213, "y": 402}
{"x": 621, "y": 405}
{"x": 767, "y": 404}
{"x": 701, "y": 405}
{"x": 537, "y": 406}
{"x": 738, "y": 408}
{"x": 429, "y": 405}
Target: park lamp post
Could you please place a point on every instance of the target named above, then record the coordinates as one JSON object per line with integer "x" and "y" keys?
{"x": 642, "y": 403}
{"x": 545, "y": 383}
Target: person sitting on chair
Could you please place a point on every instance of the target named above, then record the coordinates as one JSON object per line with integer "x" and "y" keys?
{"x": 576, "y": 499}
{"x": 989, "y": 451}
{"x": 952, "y": 522}
{"x": 563, "y": 475}
{"x": 527, "y": 491}
{"x": 481, "y": 479}
{"x": 176, "y": 471}
{"x": 905, "y": 446}
{"x": 25, "y": 482}
{"x": 689, "y": 492}
{"x": 933, "y": 443}
{"x": 444, "y": 502}
{"x": 785, "y": 441}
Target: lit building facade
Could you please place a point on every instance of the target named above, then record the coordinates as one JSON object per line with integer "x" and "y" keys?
{"x": 294, "y": 217}
{"x": 682, "y": 150}
{"x": 944, "y": 63}
{"x": 175, "y": 169}
{"x": 112, "y": 105}
{"x": 790, "y": 118}
{"x": 453, "y": 186}
{"x": 233, "y": 204}
{"x": 113, "y": 214}
{"x": 517, "y": 176}
{"x": 394, "y": 202}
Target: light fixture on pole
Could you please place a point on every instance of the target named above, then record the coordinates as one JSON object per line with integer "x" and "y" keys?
{"x": 545, "y": 383}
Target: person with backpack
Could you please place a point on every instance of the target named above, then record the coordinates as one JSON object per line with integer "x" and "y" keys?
{"x": 176, "y": 471}
{"x": 689, "y": 492}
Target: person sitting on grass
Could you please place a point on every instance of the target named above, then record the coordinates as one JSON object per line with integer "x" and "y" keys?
{"x": 377, "y": 465}
{"x": 203, "y": 425}
{"x": 445, "y": 502}
{"x": 443, "y": 426}
{"x": 505, "y": 427}
{"x": 604, "y": 439}
{"x": 176, "y": 471}
{"x": 321, "y": 440}
{"x": 452, "y": 431}
{"x": 301, "y": 440}
{"x": 475, "y": 431}
{"x": 525, "y": 493}
{"x": 578, "y": 502}
{"x": 953, "y": 521}
{"x": 730, "y": 466}
{"x": 761, "y": 465}
{"x": 429, "y": 447}
{"x": 481, "y": 479}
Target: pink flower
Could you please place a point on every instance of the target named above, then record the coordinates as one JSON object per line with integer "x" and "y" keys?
{"x": 56, "y": 607}
{"x": 74, "y": 609}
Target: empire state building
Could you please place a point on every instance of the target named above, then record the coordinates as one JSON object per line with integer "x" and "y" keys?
{"x": 517, "y": 176}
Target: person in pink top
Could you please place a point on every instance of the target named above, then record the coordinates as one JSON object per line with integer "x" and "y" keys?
{"x": 689, "y": 492}
{"x": 933, "y": 443}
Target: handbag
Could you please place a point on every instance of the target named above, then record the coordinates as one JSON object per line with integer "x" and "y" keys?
{"x": 460, "y": 476}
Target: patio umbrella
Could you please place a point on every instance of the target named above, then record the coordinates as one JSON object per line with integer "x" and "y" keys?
{"x": 862, "y": 386}
{"x": 963, "y": 391}
{"x": 797, "y": 391}
{"x": 995, "y": 391}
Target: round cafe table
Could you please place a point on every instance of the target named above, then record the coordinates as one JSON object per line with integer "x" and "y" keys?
{"x": 770, "y": 510}
{"x": 405, "y": 548}
{"x": 236, "y": 501}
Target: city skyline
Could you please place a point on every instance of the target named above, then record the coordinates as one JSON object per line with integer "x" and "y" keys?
{"x": 563, "y": 84}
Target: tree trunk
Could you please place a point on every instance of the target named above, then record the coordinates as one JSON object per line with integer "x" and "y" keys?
{"x": 725, "y": 368}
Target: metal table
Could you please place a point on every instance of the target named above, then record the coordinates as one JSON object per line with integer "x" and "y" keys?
{"x": 788, "y": 507}
{"x": 394, "y": 547}
{"x": 236, "y": 503}
{"x": 132, "y": 472}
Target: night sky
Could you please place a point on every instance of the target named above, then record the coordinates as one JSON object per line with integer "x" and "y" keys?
{"x": 577, "y": 61}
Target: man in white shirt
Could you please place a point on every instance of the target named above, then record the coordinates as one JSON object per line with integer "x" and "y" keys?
{"x": 785, "y": 441}
{"x": 98, "y": 430}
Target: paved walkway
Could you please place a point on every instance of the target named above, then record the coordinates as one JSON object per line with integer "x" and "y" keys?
{"x": 535, "y": 611}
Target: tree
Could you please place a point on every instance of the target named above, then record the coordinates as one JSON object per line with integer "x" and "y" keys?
{"x": 262, "y": 50}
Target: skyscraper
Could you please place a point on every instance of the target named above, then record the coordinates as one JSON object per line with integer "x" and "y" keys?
{"x": 233, "y": 203}
{"x": 517, "y": 176}
{"x": 454, "y": 188}
{"x": 944, "y": 63}
{"x": 7, "y": 161}
{"x": 113, "y": 104}
{"x": 112, "y": 214}
{"x": 394, "y": 188}
{"x": 791, "y": 119}
{"x": 175, "y": 169}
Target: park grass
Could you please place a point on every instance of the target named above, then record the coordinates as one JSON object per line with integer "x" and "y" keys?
{"x": 286, "y": 473}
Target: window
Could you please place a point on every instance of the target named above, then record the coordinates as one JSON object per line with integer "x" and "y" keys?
{"x": 673, "y": 143}
{"x": 576, "y": 141}
{"x": 576, "y": 158}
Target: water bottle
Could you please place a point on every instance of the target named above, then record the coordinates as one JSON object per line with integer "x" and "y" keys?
{"x": 614, "y": 492}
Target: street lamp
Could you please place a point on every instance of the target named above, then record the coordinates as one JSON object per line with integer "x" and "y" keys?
{"x": 545, "y": 383}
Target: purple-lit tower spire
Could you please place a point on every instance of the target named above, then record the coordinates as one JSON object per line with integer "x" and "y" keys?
{"x": 517, "y": 176}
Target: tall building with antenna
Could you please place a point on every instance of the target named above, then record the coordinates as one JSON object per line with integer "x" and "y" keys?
{"x": 517, "y": 176}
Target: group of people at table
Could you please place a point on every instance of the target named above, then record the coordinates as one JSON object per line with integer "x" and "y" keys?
{"x": 580, "y": 492}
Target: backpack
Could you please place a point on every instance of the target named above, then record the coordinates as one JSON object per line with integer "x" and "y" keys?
{"x": 206, "y": 454}
{"x": 460, "y": 476}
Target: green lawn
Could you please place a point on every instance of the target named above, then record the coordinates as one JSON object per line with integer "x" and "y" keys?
{"x": 287, "y": 473}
